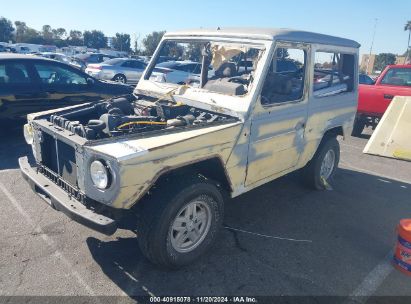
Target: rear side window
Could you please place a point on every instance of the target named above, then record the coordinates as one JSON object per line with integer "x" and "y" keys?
{"x": 13, "y": 73}
{"x": 333, "y": 73}
{"x": 126, "y": 64}
{"x": 397, "y": 77}
{"x": 139, "y": 65}
{"x": 57, "y": 75}
{"x": 93, "y": 58}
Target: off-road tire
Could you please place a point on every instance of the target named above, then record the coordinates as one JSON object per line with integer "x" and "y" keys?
{"x": 311, "y": 172}
{"x": 157, "y": 213}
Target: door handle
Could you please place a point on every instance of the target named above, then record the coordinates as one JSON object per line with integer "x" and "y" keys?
{"x": 388, "y": 96}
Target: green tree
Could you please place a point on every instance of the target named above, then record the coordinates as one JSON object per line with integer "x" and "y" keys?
{"x": 95, "y": 39}
{"x": 6, "y": 30}
{"x": 193, "y": 52}
{"x": 122, "y": 42}
{"x": 33, "y": 36}
{"x": 173, "y": 49}
{"x": 75, "y": 38}
{"x": 382, "y": 60}
{"x": 47, "y": 33}
{"x": 59, "y": 33}
{"x": 27, "y": 34}
{"x": 407, "y": 27}
{"x": 151, "y": 42}
{"x": 21, "y": 29}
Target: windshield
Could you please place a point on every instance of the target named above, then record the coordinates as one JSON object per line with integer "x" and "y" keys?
{"x": 226, "y": 68}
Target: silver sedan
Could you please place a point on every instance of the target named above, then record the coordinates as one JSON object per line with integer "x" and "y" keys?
{"x": 124, "y": 70}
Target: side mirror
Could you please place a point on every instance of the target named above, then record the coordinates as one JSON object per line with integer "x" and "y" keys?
{"x": 90, "y": 81}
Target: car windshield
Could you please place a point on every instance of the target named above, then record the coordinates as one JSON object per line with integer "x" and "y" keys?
{"x": 226, "y": 68}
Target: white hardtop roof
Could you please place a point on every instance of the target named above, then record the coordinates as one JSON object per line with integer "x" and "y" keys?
{"x": 267, "y": 34}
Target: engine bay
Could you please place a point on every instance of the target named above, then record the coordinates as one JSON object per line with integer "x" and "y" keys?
{"x": 132, "y": 114}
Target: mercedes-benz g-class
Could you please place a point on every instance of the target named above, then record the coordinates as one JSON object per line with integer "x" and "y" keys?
{"x": 254, "y": 105}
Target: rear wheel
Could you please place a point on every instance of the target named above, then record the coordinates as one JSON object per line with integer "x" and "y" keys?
{"x": 180, "y": 221}
{"x": 320, "y": 170}
{"x": 120, "y": 78}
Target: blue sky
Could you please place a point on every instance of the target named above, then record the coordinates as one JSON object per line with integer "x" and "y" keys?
{"x": 348, "y": 18}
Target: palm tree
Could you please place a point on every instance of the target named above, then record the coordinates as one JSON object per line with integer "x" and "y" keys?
{"x": 407, "y": 27}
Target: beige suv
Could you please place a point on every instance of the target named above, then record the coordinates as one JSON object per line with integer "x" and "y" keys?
{"x": 262, "y": 104}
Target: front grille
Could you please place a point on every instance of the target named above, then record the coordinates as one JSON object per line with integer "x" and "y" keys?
{"x": 60, "y": 158}
{"x": 55, "y": 178}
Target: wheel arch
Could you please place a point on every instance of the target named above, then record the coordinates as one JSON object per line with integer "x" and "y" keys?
{"x": 335, "y": 131}
{"x": 331, "y": 132}
{"x": 209, "y": 168}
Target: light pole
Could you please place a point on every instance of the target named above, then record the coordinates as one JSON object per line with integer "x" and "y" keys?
{"x": 372, "y": 44}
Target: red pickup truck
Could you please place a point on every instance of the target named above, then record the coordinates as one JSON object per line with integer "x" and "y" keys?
{"x": 374, "y": 99}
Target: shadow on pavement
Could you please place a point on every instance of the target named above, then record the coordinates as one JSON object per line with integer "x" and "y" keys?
{"x": 364, "y": 136}
{"x": 349, "y": 229}
{"x": 13, "y": 146}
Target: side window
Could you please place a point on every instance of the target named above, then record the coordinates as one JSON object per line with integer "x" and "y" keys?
{"x": 285, "y": 79}
{"x": 13, "y": 73}
{"x": 141, "y": 65}
{"x": 126, "y": 64}
{"x": 93, "y": 58}
{"x": 58, "y": 75}
{"x": 138, "y": 65}
{"x": 397, "y": 77}
{"x": 333, "y": 73}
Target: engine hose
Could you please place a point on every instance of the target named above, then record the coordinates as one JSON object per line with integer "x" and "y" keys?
{"x": 141, "y": 123}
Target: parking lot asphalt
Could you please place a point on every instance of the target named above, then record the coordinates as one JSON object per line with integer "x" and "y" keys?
{"x": 280, "y": 239}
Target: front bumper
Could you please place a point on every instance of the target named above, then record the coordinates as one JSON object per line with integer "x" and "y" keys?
{"x": 61, "y": 201}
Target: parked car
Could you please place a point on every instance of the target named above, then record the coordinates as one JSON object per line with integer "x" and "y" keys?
{"x": 373, "y": 100}
{"x": 63, "y": 58}
{"x": 31, "y": 84}
{"x": 178, "y": 71}
{"x": 365, "y": 79}
{"x": 173, "y": 153}
{"x": 93, "y": 58}
{"x": 124, "y": 70}
{"x": 2, "y": 48}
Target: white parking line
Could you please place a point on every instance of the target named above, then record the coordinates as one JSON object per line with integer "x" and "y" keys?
{"x": 8, "y": 170}
{"x": 267, "y": 236}
{"x": 371, "y": 282}
{"x": 48, "y": 240}
{"x": 374, "y": 173}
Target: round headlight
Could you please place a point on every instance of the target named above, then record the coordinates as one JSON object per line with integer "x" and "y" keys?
{"x": 28, "y": 133}
{"x": 99, "y": 174}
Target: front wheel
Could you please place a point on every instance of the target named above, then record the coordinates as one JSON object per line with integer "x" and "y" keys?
{"x": 180, "y": 221}
{"x": 320, "y": 170}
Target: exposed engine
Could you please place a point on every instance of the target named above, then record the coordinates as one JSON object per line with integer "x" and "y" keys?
{"x": 126, "y": 115}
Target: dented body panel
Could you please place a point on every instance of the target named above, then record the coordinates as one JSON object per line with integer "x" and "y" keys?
{"x": 260, "y": 142}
